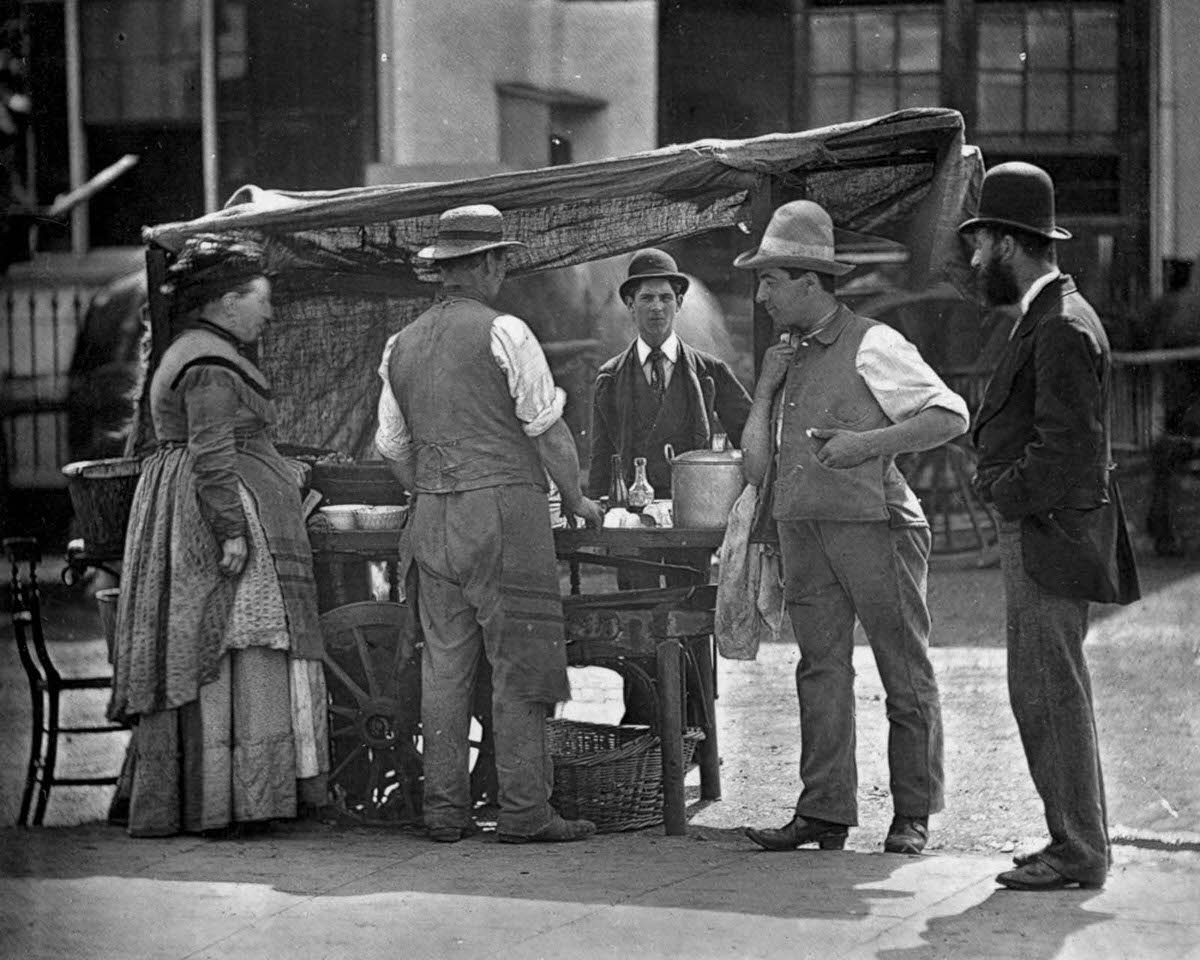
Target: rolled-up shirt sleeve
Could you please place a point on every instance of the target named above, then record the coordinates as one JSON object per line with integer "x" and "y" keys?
{"x": 899, "y": 378}
{"x": 392, "y": 437}
{"x": 538, "y": 402}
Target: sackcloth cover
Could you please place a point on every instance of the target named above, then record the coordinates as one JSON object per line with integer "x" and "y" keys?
{"x": 346, "y": 276}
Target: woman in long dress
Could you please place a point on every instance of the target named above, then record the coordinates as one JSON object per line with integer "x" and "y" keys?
{"x": 218, "y": 647}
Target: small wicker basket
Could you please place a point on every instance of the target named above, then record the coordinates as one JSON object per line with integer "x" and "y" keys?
{"x": 610, "y": 775}
{"x": 101, "y": 494}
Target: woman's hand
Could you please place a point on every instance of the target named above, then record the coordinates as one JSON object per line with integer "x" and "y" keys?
{"x": 233, "y": 556}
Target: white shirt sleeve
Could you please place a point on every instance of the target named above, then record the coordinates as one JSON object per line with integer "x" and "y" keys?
{"x": 538, "y": 402}
{"x": 392, "y": 437}
{"x": 900, "y": 379}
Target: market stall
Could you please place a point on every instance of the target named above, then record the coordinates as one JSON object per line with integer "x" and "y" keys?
{"x": 346, "y": 278}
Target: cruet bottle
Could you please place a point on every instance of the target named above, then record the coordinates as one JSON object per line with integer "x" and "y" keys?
{"x": 618, "y": 492}
{"x": 641, "y": 494}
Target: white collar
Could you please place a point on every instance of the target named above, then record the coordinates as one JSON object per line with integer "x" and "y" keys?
{"x": 1037, "y": 287}
{"x": 670, "y": 349}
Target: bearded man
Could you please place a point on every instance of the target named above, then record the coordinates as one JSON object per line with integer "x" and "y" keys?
{"x": 1042, "y": 434}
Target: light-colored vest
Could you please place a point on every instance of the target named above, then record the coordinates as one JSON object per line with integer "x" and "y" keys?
{"x": 456, "y": 402}
{"x": 824, "y": 390}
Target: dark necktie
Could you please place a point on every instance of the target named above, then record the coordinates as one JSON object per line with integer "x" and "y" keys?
{"x": 658, "y": 380}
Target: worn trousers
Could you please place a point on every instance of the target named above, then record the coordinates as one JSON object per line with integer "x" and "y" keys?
{"x": 460, "y": 593}
{"x": 1051, "y": 696}
{"x": 834, "y": 571}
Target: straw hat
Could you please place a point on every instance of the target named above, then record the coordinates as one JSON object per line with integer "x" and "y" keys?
{"x": 652, "y": 264}
{"x": 800, "y": 235}
{"x": 1018, "y": 196}
{"x": 466, "y": 230}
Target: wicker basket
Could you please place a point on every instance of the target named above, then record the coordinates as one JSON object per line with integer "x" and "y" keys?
{"x": 101, "y": 493}
{"x": 610, "y": 775}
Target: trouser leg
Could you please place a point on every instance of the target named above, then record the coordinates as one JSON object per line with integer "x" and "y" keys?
{"x": 885, "y": 571}
{"x": 453, "y": 646}
{"x": 823, "y": 623}
{"x": 523, "y": 764}
{"x": 1050, "y": 693}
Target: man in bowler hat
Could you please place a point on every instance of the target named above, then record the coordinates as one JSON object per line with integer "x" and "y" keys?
{"x": 657, "y": 391}
{"x": 837, "y": 398}
{"x": 471, "y": 422}
{"x": 1042, "y": 434}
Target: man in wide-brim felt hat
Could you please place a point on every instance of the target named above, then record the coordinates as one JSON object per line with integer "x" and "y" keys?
{"x": 837, "y": 398}
{"x": 1042, "y": 434}
{"x": 658, "y": 391}
{"x": 471, "y": 421}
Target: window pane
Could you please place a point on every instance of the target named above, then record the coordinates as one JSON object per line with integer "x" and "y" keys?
{"x": 876, "y": 95}
{"x": 1046, "y": 103}
{"x": 828, "y": 101}
{"x": 1000, "y": 102}
{"x": 876, "y": 41}
{"x": 829, "y": 44}
{"x": 920, "y": 90}
{"x": 1049, "y": 40}
{"x": 144, "y": 58}
{"x": 102, "y": 93}
{"x": 1096, "y": 39}
{"x": 920, "y": 43}
{"x": 1095, "y": 102}
{"x": 1001, "y": 42}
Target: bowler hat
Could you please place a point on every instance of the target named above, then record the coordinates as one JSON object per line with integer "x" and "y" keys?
{"x": 652, "y": 264}
{"x": 465, "y": 230}
{"x": 1017, "y": 196}
{"x": 800, "y": 235}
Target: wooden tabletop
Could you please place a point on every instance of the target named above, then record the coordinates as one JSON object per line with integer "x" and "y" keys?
{"x": 383, "y": 544}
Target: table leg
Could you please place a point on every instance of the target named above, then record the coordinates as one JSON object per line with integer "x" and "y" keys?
{"x": 669, "y": 664}
{"x": 709, "y": 753}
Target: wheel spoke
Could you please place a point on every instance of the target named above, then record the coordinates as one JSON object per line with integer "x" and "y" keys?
{"x": 364, "y": 656}
{"x": 333, "y": 774}
{"x": 348, "y": 712}
{"x": 342, "y": 731}
{"x": 344, "y": 677}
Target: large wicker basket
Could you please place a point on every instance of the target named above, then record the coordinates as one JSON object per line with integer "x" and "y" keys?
{"x": 101, "y": 493}
{"x": 610, "y": 775}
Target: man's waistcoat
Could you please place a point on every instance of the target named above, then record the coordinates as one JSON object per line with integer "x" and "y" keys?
{"x": 657, "y": 424}
{"x": 456, "y": 402}
{"x": 823, "y": 389}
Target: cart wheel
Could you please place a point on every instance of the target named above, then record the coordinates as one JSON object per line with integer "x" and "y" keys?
{"x": 373, "y": 677}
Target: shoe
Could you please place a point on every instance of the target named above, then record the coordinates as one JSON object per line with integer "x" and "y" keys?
{"x": 1039, "y": 875}
{"x": 557, "y": 830}
{"x": 799, "y": 831}
{"x": 449, "y": 834}
{"x": 1025, "y": 859}
{"x": 907, "y": 835}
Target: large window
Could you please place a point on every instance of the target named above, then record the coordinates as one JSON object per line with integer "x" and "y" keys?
{"x": 1047, "y": 70}
{"x": 871, "y": 60}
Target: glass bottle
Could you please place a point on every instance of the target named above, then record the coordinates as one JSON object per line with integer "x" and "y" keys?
{"x": 641, "y": 494}
{"x": 618, "y": 492}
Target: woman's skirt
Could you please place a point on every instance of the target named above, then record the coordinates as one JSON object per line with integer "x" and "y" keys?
{"x": 229, "y": 726}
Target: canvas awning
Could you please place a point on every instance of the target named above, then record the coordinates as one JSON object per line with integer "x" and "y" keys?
{"x": 347, "y": 278}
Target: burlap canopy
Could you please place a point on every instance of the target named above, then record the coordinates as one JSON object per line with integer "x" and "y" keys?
{"x": 346, "y": 277}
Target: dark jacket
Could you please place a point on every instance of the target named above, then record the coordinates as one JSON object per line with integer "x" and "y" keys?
{"x": 711, "y": 389}
{"x": 1042, "y": 434}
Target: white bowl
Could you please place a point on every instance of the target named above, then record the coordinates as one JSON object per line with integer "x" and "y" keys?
{"x": 381, "y": 517}
{"x": 341, "y": 515}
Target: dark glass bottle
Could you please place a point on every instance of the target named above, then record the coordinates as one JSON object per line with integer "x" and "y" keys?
{"x": 641, "y": 494}
{"x": 618, "y": 492}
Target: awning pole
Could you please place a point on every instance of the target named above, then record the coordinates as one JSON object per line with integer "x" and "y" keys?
{"x": 208, "y": 104}
{"x": 76, "y": 131}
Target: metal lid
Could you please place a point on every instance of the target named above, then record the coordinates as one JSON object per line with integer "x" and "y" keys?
{"x": 708, "y": 456}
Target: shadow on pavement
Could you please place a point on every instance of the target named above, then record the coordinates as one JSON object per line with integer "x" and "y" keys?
{"x": 1006, "y": 925}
